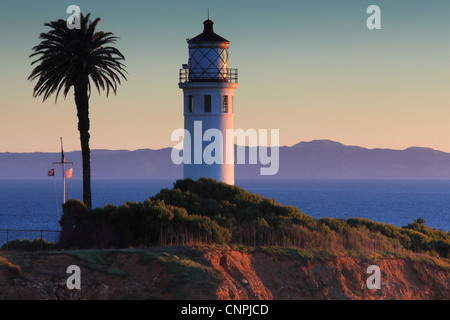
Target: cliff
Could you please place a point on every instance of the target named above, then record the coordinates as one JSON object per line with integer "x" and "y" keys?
{"x": 221, "y": 272}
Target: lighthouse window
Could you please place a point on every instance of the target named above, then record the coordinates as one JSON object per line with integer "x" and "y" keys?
{"x": 190, "y": 104}
{"x": 225, "y": 104}
{"x": 207, "y": 103}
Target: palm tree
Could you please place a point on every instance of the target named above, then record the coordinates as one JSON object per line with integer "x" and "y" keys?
{"x": 75, "y": 57}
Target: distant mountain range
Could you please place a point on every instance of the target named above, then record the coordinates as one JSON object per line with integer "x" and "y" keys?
{"x": 318, "y": 159}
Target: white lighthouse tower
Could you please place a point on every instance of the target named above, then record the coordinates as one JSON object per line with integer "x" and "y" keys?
{"x": 208, "y": 88}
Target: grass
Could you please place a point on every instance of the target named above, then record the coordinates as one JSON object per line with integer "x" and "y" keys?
{"x": 97, "y": 260}
{"x": 423, "y": 258}
{"x": 180, "y": 263}
{"x": 177, "y": 261}
{"x": 293, "y": 253}
{"x": 185, "y": 267}
{"x": 5, "y": 264}
{"x": 429, "y": 260}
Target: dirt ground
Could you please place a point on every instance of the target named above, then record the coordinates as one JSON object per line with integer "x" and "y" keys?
{"x": 216, "y": 272}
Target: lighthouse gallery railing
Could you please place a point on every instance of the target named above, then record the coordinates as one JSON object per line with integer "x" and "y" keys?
{"x": 205, "y": 75}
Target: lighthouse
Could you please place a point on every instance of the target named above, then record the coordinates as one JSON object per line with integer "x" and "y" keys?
{"x": 208, "y": 90}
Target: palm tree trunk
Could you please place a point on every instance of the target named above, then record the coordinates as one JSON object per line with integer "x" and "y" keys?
{"x": 82, "y": 102}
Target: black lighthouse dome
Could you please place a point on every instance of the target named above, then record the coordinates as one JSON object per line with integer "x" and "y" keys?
{"x": 208, "y": 34}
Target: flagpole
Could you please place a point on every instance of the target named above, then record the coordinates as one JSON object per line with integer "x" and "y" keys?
{"x": 64, "y": 183}
{"x": 62, "y": 162}
{"x": 63, "y": 172}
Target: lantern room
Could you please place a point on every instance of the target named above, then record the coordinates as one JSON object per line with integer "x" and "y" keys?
{"x": 208, "y": 58}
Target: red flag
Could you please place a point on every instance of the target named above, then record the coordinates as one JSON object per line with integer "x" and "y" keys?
{"x": 69, "y": 173}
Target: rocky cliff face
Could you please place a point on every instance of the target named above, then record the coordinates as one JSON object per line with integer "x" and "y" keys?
{"x": 218, "y": 273}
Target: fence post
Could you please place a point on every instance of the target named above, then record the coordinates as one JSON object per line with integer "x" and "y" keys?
{"x": 28, "y": 230}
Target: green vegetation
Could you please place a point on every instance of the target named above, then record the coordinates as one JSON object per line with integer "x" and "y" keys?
{"x": 304, "y": 255}
{"x": 98, "y": 261}
{"x": 208, "y": 212}
{"x": 27, "y": 245}
{"x": 183, "y": 266}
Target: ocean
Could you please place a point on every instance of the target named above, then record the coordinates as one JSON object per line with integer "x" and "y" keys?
{"x": 32, "y": 204}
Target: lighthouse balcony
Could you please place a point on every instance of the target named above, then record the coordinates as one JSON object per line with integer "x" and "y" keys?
{"x": 209, "y": 75}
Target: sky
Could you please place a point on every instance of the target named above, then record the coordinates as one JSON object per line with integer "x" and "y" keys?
{"x": 311, "y": 69}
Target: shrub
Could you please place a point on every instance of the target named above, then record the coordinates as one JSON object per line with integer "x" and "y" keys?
{"x": 206, "y": 211}
{"x": 27, "y": 245}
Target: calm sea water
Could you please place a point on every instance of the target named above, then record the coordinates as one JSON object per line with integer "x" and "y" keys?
{"x": 32, "y": 204}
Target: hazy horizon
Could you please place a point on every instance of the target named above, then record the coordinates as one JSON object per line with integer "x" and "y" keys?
{"x": 312, "y": 70}
{"x": 287, "y": 146}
